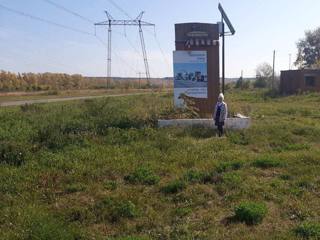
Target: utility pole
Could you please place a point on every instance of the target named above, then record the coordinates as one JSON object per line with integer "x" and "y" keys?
{"x": 109, "y": 49}
{"x": 134, "y": 22}
{"x": 223, "y": 56}
{"x": 290, "y": 61}
{"x": 273, "y": 69}
{"x": 139, "y": 73}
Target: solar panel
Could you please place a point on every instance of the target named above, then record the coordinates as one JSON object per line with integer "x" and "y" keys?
{"x": 226, "y": 19}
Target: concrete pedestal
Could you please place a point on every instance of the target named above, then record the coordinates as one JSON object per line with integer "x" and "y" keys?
{"x": 231, "y": 123}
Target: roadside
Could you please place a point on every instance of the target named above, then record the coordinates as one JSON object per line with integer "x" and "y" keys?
{"x": 53, "y": 99}
{"x": 21, "y": 96}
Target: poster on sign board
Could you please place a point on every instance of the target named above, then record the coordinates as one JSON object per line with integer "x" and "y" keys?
{"x": 190, "y": 75}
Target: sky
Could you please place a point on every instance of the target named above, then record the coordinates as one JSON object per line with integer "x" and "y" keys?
{"x": 28, "y": 45}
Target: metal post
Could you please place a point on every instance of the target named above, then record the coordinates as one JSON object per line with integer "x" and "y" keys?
{"x": 273, "y": 71}
{"x": 223, "y": 57}
{"x": 109, "y": 54}
{"x": 133, "y": 22}
{"x": 290, "y": 61}
{"x": 144, "y": 51}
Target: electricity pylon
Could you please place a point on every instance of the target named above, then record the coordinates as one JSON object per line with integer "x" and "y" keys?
{"x": 134, "y": 22}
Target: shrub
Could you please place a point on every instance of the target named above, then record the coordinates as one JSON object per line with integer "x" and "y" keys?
{"x": 181, "y": 212}
{"x": 194, "y": 176}
{"x": 78, "y": 214}
{"x": 55, "y": 136}
{"x": 293, "y": 147}
{"x": 113, "y": 209}
{"x": 251, "y": 213}
{"x": 73, "y": 188}
{"x": 12, "y": 154}
{"x": 229, "y": 166}
{"x": 33, "y": 108}
{"x": 174, "y": 187}
{"x": 308, "y": 231}
{"x": 267, "y": 162}
{"x": 111, "y": 185}
{"x": 142, "y": 176}
{"x": 231, "y": 180}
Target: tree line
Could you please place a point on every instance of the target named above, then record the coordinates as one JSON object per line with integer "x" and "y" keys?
{"x": 40, "y": 81}
{"x": 10, "y": 82}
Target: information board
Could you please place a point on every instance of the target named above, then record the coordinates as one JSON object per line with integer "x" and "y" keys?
{"x": 190, "y": 75}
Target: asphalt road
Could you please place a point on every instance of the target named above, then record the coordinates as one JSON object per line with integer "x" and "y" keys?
{"x": 54, "y": 100}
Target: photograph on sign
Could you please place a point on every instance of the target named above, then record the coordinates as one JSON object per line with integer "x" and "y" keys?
{"x": 190, "y": 75}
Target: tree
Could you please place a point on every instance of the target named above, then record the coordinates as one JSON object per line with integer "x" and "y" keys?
{"x": 239, "y": 83}
{"x": 264, "y": 76}
{"x": 242, "y": 83}
{"x": 309, "y": 50}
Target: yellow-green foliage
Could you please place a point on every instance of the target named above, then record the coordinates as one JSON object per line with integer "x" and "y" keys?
{"x": 101, "y": 169}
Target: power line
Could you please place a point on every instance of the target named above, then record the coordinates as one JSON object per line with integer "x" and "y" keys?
{"x": 120, "y": 9}
{"x": 71, "y": 28}
{"x": 159, "y": 46}
{"x": 68, "y": 11}
{"x": 44, "y": 20}
{"x": 116, "y": 53}
{"x": 155, "y": 36}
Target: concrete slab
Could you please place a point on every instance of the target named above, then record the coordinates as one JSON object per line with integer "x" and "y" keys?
{"x": 231, "y": 123}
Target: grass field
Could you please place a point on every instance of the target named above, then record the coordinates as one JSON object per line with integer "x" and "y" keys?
{"x": 100, "y": 169}
{"x": 21, "y": 96}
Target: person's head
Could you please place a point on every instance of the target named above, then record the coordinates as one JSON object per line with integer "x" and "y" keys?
{"x": 221, "y": 97}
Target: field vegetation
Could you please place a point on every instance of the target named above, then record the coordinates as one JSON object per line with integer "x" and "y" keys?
{"x": 55, "y": 82}
{"x": 101, "y": 169}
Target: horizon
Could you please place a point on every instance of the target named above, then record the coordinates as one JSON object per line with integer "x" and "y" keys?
{"x": 29, "y": 45}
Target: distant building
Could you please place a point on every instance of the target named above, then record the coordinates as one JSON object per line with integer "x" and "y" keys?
{"x": 304, "y": 80}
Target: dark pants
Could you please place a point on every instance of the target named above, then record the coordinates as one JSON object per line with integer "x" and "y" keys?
{"x": 220, "y": 128}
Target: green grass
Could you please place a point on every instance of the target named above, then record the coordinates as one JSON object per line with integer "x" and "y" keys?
{"x": 142, "y": 176}
{"x": 308, "y": 231}
{"x": 101, "y": 169}
{"x": 251, "y": 213}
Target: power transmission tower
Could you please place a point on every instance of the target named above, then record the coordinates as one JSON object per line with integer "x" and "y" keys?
{"x": 133, "y": 22}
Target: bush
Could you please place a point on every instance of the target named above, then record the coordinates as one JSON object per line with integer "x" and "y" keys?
{"x": 142, "y": 176}
{"x": 229, "y": 166}
{"x": 194, "y": 176}
{"x": 308, "y": 231}
{"x": 260, "y": 83}
{"x": 112, "y": 209}
{"x": 33, "y": 108}
{"x": 12, "y": 154}
{"x": 251, "y": 213}
{"x": 76, "y": 187}
{"x": 267, "y": 162}
{"x": 231, "y": 180}
{"x": 56, "y": 136}
{"x": 174, "y": 187}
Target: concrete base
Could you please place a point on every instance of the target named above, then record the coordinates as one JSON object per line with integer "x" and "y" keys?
{"x": 231, "y": 123}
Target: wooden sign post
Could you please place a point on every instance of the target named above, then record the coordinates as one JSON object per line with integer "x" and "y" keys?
{"x": 201, "y": 42}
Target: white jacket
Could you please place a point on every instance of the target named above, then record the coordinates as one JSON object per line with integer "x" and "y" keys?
{"x": 223, "y": 113}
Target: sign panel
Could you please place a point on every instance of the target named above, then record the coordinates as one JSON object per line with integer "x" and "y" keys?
{"x": 190, "y": 75}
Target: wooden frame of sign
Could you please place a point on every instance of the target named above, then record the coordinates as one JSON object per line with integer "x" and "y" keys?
{"x": 202, "y": 37}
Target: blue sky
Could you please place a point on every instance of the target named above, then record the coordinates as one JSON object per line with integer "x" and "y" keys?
{"x": 262, "y": 26}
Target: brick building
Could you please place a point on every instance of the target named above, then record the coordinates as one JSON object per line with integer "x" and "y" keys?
{"x": 294, "y": 81}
